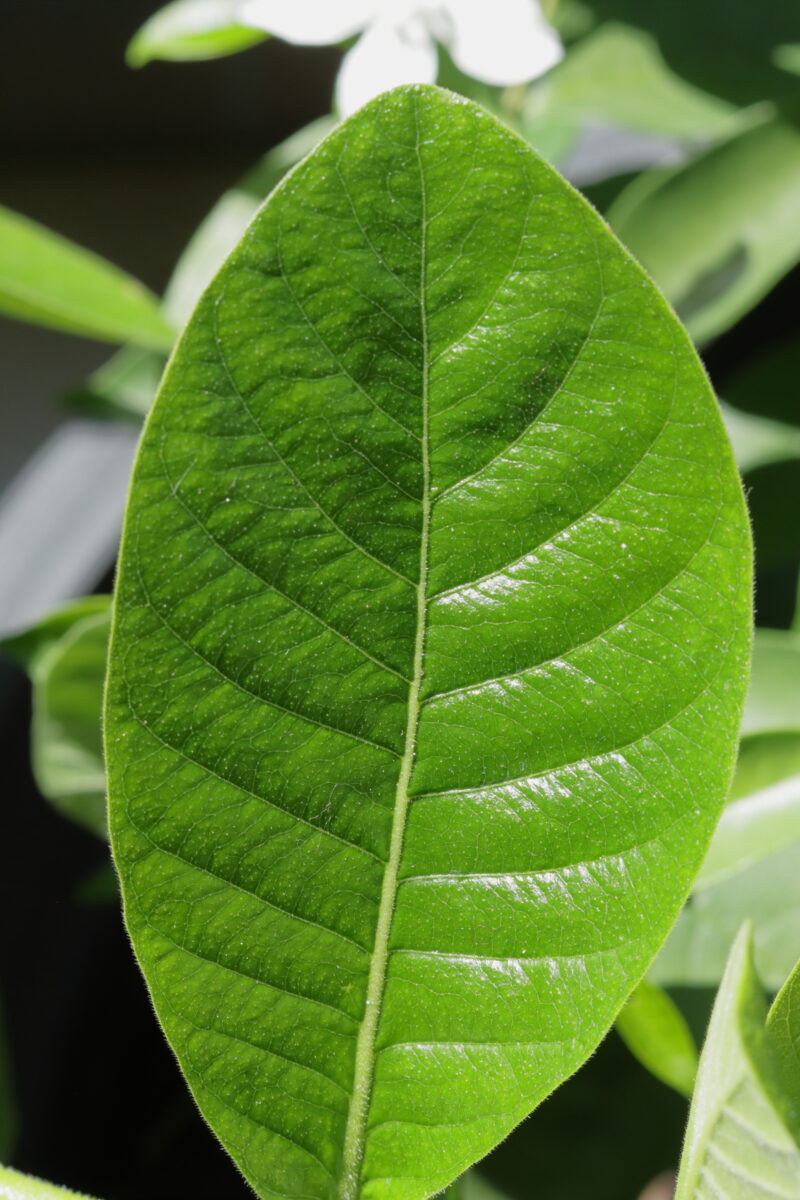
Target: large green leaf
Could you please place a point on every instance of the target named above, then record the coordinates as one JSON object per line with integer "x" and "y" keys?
{"x": 16, "y": 1186}
{"x": 739, "y": 1143}
{"x": 430, "y": 643}
{"x": 717, "y": 233}
{"x": 50, "y": 281}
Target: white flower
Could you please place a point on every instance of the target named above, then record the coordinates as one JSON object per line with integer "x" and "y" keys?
{"x": 502, "y": 42}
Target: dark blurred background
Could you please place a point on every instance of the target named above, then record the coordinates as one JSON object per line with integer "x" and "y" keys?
{"x": 127, "y": 162}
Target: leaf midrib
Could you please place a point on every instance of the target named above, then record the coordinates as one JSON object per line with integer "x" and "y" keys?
{"x": 364, "y": 1070}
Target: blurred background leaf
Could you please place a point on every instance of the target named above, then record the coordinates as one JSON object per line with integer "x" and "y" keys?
{"x": 655, "y": 1031}
{"x": 65, "y": 656}
{"x": 753, "y": 866}
{"x": 717, "y": 233}
{"x": 46, "y": 279}
{"x": 191, "y": 31}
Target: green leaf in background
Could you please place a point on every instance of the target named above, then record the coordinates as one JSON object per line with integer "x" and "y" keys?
{"x": 718, "y": 233}
{"x": 768, "y": 892}
{"x": 192, "y": 30}
{"x": 66, "y": 656}
{"x": 758, "y": 441}
{"x": 752, "y": 869}
{"x": 738, "y": 1143}
{"x": 788, "y": 57}
{"x": 655, "y": 1031}
{"x": 430, "y": 643}
{"x": 617, "y": 75}
{"x": 726, "y": 48}
{"x": 126, "y": 384}
{"x": 16, "y": 1186}
{"x": 784, "y": 1029}
{"x": 48, "y": 280}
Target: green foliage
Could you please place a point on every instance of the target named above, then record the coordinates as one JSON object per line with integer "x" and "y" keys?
{"x": 655, "y": 1031}
{"x": 430, "y": 641}
{"x": 46, "y": 279}
{"x": 192, "y": 30}
{"x": 126, "y": 384}
{"x": 725, "y": 47}
{"x": 758, "y": 441}
{"x": 65, "y": 655}
{"x": 16, "y": 1186}
{"x": 752, "y": 869}
{"x": 764, "y": 813}
{"x": 617, "y": 74}
{"x": 788, "y": 57}
{"x": 784, "y": 1029}
{"x": 718, "y": 233}
{"x": 739, "y": 1143}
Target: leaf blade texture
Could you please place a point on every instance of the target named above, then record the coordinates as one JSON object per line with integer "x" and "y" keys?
{"x": 373, "y": 775}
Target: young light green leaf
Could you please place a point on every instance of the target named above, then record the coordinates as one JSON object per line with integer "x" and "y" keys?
{"x": 16, "y": 1186}
{"x": 738, "y": 1145}
{"x": 784, "y": 1029}
{"x": 48, "y": 280}
{"x": 66, "y": 657}
{"x": 654, "y": 1029}
{"x": 719, "y": 232}
{"x": 192, "y": 30}
{"x": 430, "y": 643}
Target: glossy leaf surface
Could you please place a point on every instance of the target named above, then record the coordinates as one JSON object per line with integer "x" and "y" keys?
{"x": 46, "y": 279}
{"x": 655, "y": 1031}
{"x": 430, "y": 642}
{"x": 717, "y": 234}
{"x": 738, "y": 1144}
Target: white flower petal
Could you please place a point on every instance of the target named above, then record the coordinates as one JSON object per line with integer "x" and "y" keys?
{"x": 504, "y": 42}
{"x": 382, "y": 58}
{"x": 309, "y": 22}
